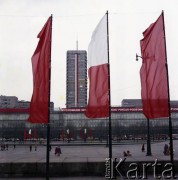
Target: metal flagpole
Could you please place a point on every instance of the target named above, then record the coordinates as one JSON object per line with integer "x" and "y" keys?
{"x": 48, "y": 124}
{"x": 170, "y": 121}
{"x": 148, "y": 138}
{"x": 109, "y": 97}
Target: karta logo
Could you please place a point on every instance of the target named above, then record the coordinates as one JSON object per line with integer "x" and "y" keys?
{"x": 138, "y": 171}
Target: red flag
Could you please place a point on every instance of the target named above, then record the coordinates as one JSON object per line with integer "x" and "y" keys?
{"x": 41, "y": 66}
{"x": 34, "y": 134}
{"x": 81, "y": 134}
{"x": 90, "y": 133}
{"x": 24, "y": 134}
{"x": 98, "y": 102}
{"x": 73, "y": 135}
{"x": 154, "y": 87}
{"x": 62, "y": 134}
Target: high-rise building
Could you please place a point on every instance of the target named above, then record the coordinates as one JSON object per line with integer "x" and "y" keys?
{"x": 76, "y": 78}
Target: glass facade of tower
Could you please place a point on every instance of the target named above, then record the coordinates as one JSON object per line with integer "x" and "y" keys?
{"x": 76, "y": 78}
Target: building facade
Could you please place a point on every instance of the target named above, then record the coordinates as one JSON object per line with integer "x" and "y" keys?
{"x": 127, "y": 123}
{"x": 138, "y": 103}
{"x": 12, "y": 102}
{"x": 76, "y": 79}
{"x": 8, "y": 101}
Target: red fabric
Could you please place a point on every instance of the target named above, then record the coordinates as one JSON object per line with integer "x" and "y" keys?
{"x": 24, "y": 134}
{"x": 73, "y": 135}
{"x": 62, "y": 134}
{"x": 90, "y": 133}
{"x": 40, "y": 66}
{"x": 81, "y": 133}
{"x": 34, "y": 134}
{"x": 98, "y": 104}
{"x": 154, "y": 88}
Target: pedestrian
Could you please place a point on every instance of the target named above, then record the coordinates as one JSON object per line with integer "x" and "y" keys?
{"x": 7, "y": 147}
{"x": 128, "y": 153}
{"x": 30, "y": 147}
{"x": 58, "y": 151}
{"x": 143, "y": 147}
{"x": 124, "y": 154}
{"x": 166, "y": 149}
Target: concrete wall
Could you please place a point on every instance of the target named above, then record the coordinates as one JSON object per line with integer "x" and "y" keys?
{"x": 71, "y": 169}
{"x": 56, "y": 169}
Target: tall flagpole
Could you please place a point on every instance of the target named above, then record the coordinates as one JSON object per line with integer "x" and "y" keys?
{"x": 148, "y": 153}
{"x": 48, "y": 124}
{"x": 109, "y": 97}
{"x": 170, "y": 121}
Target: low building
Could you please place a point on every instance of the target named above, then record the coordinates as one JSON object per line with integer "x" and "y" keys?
{"x": 127, "y": 122}
{"x": 12, "y": 102}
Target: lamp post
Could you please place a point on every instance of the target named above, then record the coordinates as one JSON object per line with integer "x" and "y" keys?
{"x": 148, "y": 138}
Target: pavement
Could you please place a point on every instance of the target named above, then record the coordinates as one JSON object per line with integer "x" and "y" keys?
{"x": 90, "y": 153}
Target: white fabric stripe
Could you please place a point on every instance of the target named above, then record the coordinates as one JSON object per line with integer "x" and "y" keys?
{"x": 97, "y": 50}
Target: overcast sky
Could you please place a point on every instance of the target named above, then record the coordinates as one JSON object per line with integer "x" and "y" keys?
{"x": 22, "y": 20}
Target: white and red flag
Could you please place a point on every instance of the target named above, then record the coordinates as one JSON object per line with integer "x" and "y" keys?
{"x": 98, "y": 102}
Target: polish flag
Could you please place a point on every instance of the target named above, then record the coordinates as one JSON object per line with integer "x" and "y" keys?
{"x": 98, "y": 102}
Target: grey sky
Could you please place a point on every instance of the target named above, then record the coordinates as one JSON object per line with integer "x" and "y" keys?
{"x": 22, "y": 20}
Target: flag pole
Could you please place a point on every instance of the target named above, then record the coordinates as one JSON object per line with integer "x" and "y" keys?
{"x": 109, "y": 97}
{"x": 48, "y": 124}
{"x": 148, "y": 139}
{"x": 169, "y": 107}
